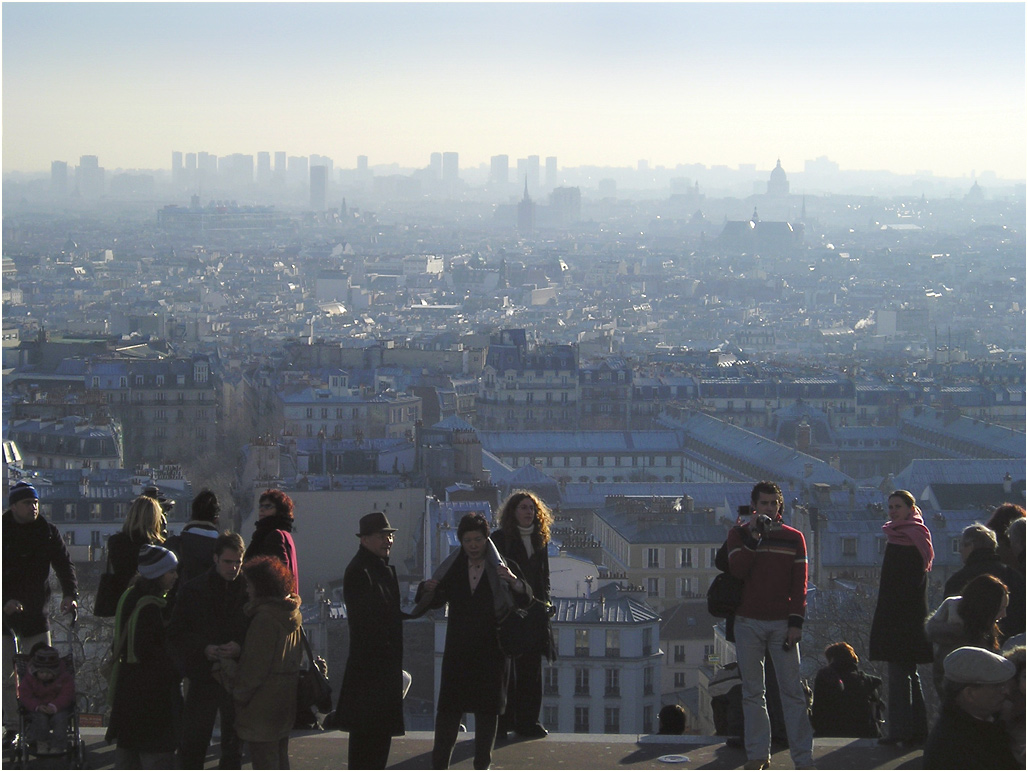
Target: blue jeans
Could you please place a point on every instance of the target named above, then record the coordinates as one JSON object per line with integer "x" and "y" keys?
{"x": 752, "y": 638}
{"x": 907, "y": 717}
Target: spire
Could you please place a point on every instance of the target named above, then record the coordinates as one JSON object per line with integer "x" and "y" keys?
{"x": 526, "y": 188}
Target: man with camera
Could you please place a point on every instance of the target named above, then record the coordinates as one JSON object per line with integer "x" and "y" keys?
{"x": 771, "y": 560}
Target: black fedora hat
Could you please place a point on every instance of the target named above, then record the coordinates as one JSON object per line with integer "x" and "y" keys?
{"x": 373, "y": 523}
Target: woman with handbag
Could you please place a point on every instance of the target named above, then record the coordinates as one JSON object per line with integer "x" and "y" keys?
{"x": 263, "y": 682}
{"x": 523, "y": 537}
{"x": 146, "y": 698}
{"x": 474, "y": 671}
{"x": 144, "y": 524}
{"x": 273, "y": 532}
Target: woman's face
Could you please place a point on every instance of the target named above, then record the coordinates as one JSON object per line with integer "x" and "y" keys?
{"x": 524, "y": 513}
{"x": 1003, "y": 608}
{"x": 266, "y": 508}
{"x": 899, "y": 509}
{"x": 167, "y": 581}
{"x": 473, "y": 543}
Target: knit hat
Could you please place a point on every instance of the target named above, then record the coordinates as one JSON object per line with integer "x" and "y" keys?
{"x": 155, "y": 561}
{"x": 972, "y": 665}
{"x": 21, "y": 491}
{"x": 45, "y": 657}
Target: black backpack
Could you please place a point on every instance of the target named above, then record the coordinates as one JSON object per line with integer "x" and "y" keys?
{"x": 724, "y": 595}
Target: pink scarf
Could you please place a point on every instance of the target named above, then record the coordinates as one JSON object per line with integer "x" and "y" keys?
{"x": 912, "y": 531}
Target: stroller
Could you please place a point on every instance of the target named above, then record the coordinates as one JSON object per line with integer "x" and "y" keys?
{"x": 74, "y": 749}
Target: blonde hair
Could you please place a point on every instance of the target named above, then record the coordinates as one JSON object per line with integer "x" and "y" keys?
{"x": 145, "y": 521}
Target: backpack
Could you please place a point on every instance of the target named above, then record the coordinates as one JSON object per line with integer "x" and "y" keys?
{"x": 724, "y": 595}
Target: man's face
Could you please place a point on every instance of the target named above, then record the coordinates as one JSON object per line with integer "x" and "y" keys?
{"x": 26, "y": 510}
{"x": 379, "y": 543}
{"x": 228, "y": 564}
{"x": 984, "y": 700}
{"x": 766, "y": 504}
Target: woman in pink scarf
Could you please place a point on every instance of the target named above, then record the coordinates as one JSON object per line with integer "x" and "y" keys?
{"x": 897, "y": 631}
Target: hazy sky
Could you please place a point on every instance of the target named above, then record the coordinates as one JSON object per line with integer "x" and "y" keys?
{"x": 904, "y": 87}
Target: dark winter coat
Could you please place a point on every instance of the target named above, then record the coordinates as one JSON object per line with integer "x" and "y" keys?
{"x": 371, "y": 699}
{"x": 847, "y": 703}
{"x": 960, "y": 741}
{"x": 536, "y": 570}
{"x": 474, "y": 672}
{"x": 194, "y": 548}
{"x": 272, "y": 535}
{"x": 123, "y": 555}
{"x": 208, "y": 610}
{"x": 897, "y": 629}
{"x": 30, "y": 550}
{"x": 147, "y": 706}
{"x": 986, "y": 561}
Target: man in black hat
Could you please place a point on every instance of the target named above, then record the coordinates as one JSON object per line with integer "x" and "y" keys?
{"x": 370, "y": 704}
{"x": 32, "y": 546}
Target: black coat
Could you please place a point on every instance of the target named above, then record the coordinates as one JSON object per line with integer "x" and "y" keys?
{"x": 272, "y": 535}
{"x": 847, "y": 703}
{"x": 897, "y": 630}
{"x": 147, "y": 707}
{"x": 30, "y": 550}
{"x": 208, "y": 610}
{"x": 474, "y": 673}
{"x": 987, "y": 561}
{"x": 535, "y": 568}
{"x": 371, "y": 699}
{"x": 959, "y": 741}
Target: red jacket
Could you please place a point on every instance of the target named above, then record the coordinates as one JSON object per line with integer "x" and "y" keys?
{"x": 774, "y": 572}
{"x": 61, "y": 691}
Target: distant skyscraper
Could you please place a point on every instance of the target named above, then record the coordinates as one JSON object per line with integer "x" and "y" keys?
{"x": 263, "y": 167}
{"x": 499, "y": 169}
{"x": 89, "y": 177}
{"x": 532, "y": 168}
{"x": 280, "y": 162}
{"x": 435, "y": 164}
{"x": 319, "y": 188}
{"x": 551, "y": 171}
{"x": 177, "y": 170}
{"x": 451, "y": 170}
{"x": 59, "y": 178}
{"x": 190, "y": 162}
{"x": 566, "y": 205}
{"x": 297, "y": 172}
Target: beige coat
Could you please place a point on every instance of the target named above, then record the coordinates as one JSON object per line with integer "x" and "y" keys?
{"x": 263, "y": 681}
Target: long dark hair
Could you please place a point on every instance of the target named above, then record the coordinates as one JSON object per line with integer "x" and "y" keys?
{"x": 509, "y": 520}
{"x": 978, "y": 608}
{"x": 283, "y": 504}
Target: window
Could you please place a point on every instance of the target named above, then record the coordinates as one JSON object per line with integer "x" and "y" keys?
{"x": 849, "y": 547}
{"x": 69, "y": 538}
{"x": 679, "y": 652}
{"x": 653, "y": 587}
{"x": 613, "y": 643}
{"x": 713, "y": 557}
{"x": 582, "y": 719}
{"x": 648, "y": 680}
{"x": 647, "y": 719}
{"x": 581, "y": 643}
{"x": 708, "y": 652}
{"x": 653, "y": 558}
{"x": 612, "y": 720}
{"x": 685, "y": 557}
{"x": 684, "y": 587}
{"x": 95, "y": 539}
{"x": 581, "y": 681}
{"x": 94, "y": 512}
{"x": 550, "y": 681}
{"x": 309, "y": 412}
{"x": 550, "y": 717}
{"x": 647, "y": 641}
{"x": 612, "y": 684}
{"x": 954, "y": 545}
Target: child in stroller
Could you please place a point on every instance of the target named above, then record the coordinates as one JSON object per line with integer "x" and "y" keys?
{"x": 46, "y": 691}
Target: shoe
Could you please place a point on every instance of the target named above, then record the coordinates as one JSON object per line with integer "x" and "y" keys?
{"x": 735, "y": 742}
{"x": 10, "y": 739}
{"x": 534, "y": 732}
{"x": 757, "y": 764}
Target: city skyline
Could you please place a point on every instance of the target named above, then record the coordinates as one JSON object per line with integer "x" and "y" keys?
{"x": 932, "y": 87}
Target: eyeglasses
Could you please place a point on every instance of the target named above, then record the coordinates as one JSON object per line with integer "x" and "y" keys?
{"x": 265, "y": 505}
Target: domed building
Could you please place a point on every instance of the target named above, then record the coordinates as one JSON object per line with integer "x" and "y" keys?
{"x": 778, "y": 185}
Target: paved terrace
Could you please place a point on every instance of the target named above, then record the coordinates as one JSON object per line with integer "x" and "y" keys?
{"x": 327, "y": 750}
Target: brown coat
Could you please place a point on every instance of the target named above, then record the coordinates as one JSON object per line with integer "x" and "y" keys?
{"x": 264, "y": 681}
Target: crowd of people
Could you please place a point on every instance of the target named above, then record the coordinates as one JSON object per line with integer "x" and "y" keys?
{"x": 206, "y": 626}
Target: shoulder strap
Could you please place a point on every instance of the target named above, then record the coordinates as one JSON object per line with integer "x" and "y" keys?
{"x": 127, "y": 633}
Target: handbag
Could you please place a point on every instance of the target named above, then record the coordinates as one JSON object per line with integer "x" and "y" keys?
{"x": 107, "y": 593}
{"x": 724, "y": 595}
{"x": 313, "y": 689}
{"x": 525, "y": 630}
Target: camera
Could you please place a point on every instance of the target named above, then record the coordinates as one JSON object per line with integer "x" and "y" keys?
{"x": 762, "y": 526}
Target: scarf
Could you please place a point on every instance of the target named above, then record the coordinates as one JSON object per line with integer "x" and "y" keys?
{"x": 911, "y": 531}
{"x": 526, "y": 538}
{"x": 503, "y": 599}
